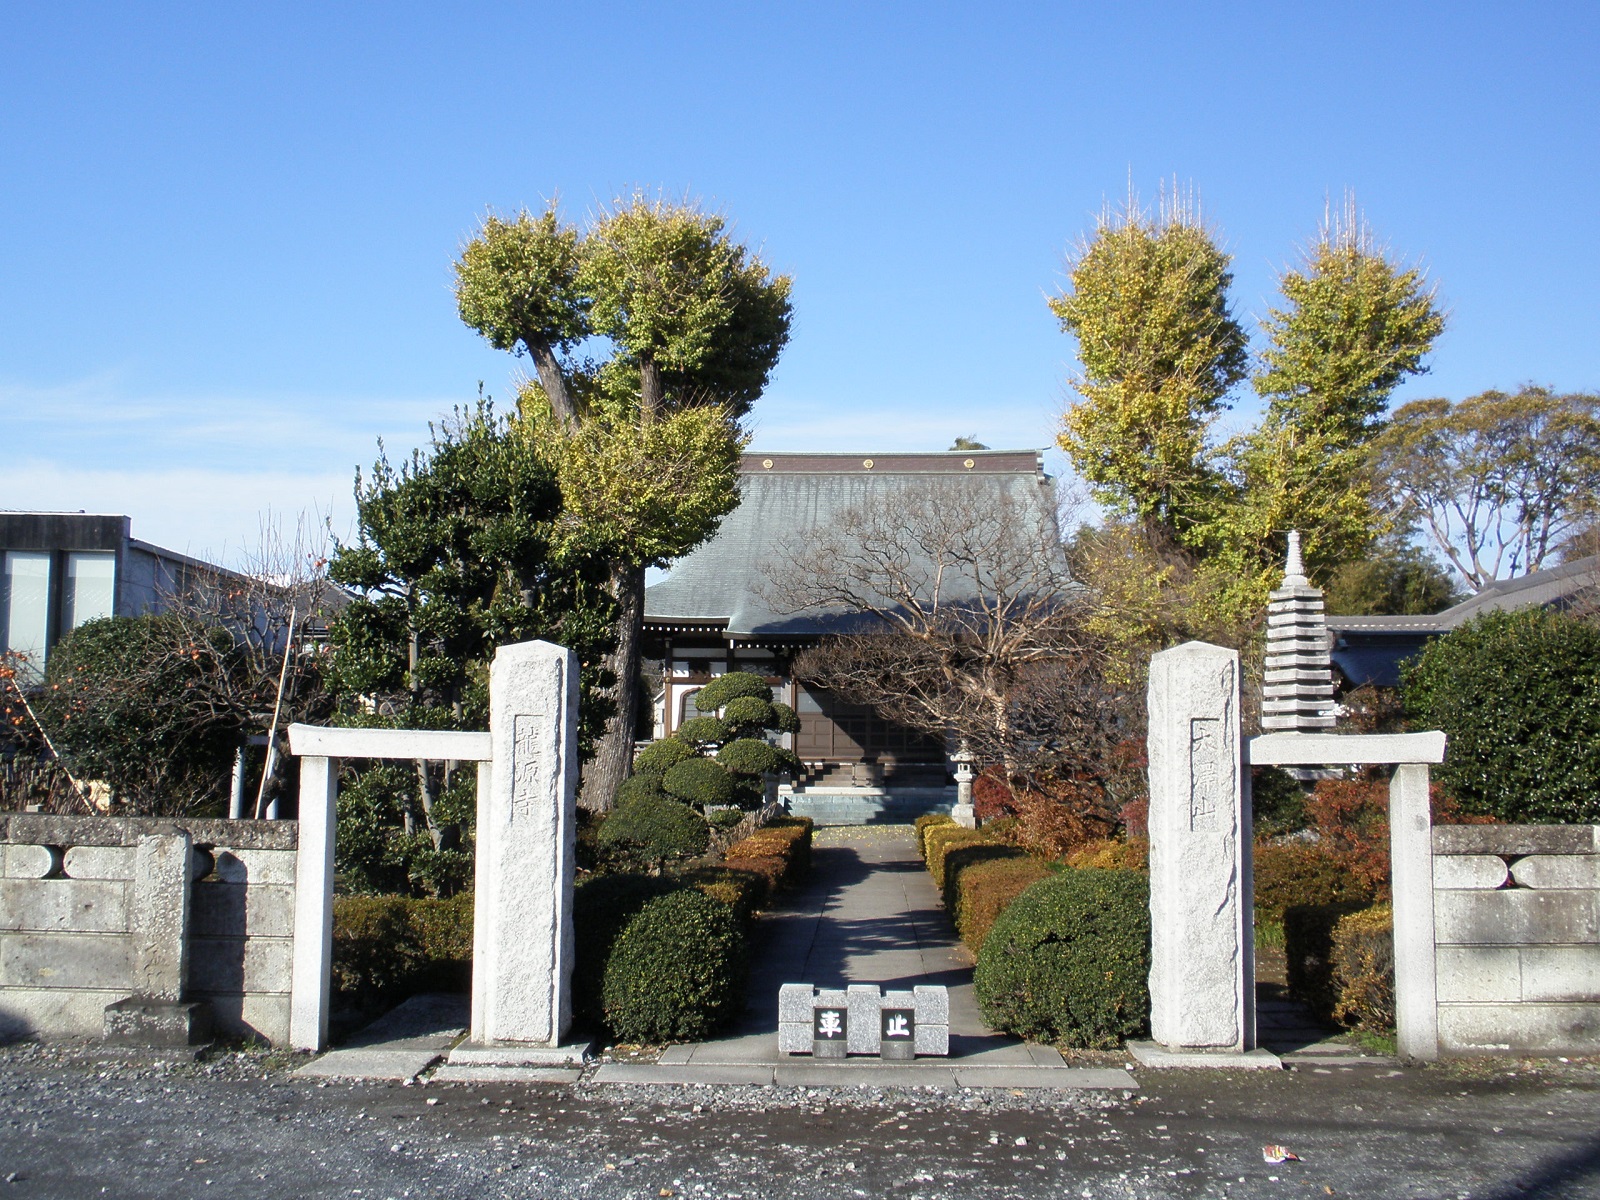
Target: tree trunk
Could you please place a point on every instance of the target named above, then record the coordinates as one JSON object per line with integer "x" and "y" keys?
{"x": 554, "y": 383}
{"x": 613, "y": 752}
{"x": 651, "y": 398}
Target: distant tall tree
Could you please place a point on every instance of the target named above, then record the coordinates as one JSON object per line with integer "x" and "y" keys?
{"x": 1159, "y": 349}
{"x": 1354, "y": 325}
{"x": 644, "y": 441}
{"x": 1498, "y": 481}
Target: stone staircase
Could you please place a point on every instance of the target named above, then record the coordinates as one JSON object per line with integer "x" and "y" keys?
{"x": 835, "y": 805}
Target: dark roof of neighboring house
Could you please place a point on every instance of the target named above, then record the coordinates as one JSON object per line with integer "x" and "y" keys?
{"x": 1371, "y": 649}
{"x": 720, "y": 586}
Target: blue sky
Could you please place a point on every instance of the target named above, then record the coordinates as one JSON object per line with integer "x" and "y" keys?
{"x": 226, "y": 230}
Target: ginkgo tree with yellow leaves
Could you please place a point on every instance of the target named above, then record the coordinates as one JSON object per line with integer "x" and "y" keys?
{"x": 1160, "y": 352}
{"x": 652, "y": 331}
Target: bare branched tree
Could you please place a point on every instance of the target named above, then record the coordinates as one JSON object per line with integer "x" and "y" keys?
{"x": 966, "y": 624}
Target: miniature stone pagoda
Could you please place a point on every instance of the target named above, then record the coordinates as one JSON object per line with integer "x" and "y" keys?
{"x": 1297, "y": 695}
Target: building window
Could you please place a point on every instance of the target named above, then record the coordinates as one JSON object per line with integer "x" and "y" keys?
{"x": 25, "y": 608}
{"x": 89, "y": 590}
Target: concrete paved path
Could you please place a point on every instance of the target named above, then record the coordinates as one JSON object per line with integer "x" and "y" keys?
{"x": 868, "y": 914}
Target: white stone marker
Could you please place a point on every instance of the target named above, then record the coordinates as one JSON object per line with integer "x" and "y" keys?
{"x": 1202, "y": 973}
{"x": 522, "y": 933}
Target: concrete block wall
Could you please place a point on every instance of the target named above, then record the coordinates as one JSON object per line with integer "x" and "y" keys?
{"x": 1517, "y": 938}
{"x": 73, "y": 919}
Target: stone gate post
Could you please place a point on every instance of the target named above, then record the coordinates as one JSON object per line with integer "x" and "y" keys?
{"x": 1202, "y": 970}
{"x": 522, "y": 935}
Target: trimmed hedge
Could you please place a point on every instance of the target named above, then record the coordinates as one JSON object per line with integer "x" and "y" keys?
{"x": 388, "y": 947}
{"x": 770, "y": 870}
{"x": 699, "y": 731}
{"x": 656, "y": 828}
{"x": 751, "y": 756}
{"x": 1069, "y": 961}
{"x": 601, "y": 909}
{"x": 1341, "y": 962}
{"x": 742, "y": 891}
{"x": 939, "y": 840}
{"x": 926, "y": 822}
{"x": 981, "y": 881}
{"x": 1109, "y": 854}
{"x": 786, "y": 838}
{"x": 748, "y": 713}
{"x": 1302, "y": 873}
{"x": 676, "y": 970}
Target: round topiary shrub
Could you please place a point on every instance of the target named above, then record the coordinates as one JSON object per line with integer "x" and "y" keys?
{"x": 676, "y": 971}
{"x": 656, "y": 829}
{"x": 784, "y": 718}
{"x": 750, "y": 756}
{"x": 661, "y": 756}
{"x": 702, "y": 731}
{"x": 700, "y": 781}
{"x": 640, "y": 787}
{"x": 1069, "y": 961}
{"x": 601, "y": 908}
{"x": 1518, "y": 694}
{"x": 747, "y": 714}
{"x": 731, "y": 686}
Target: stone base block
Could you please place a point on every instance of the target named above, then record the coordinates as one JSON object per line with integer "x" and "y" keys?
{"x": 1153, "y": 1054}
{"x": 828, "y": 1049}
{"x": 932, "y": 1040}
{"x": 794, "y": 1037}
{"x": 901, "y": 1051}
{"x": 492, "y": 1074}
{"x": 964, "y": 815}
{"x": 518, "y": 1054}
{"x": 136, "y": 1022}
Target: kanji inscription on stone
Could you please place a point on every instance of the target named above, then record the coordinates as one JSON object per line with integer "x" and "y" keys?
{"x": 898, "y": 1029}
{"x": 1205, "y": 778}
{"x": 828, "y": 1024}
{"x": 529, "y": 731}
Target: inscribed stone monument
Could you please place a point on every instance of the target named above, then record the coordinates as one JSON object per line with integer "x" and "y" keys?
{"x": 523, "y": 939}
{"x": 1201, "y": 973}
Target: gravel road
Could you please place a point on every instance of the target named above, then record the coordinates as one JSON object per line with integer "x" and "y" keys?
{"x": 77, "y": 1124}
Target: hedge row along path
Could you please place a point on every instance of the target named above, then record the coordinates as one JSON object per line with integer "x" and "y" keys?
{"x": 869, "y": 913}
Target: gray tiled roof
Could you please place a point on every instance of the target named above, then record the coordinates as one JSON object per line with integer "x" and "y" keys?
{"x": 783, "y": 496}
{"x": 1537, "y": 588}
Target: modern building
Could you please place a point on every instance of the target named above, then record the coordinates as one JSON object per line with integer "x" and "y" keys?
{"x": 720, "y": 609}
{"x": 60, "y": 570}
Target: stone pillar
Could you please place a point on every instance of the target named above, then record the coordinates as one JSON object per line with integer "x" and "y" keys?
{"x": 312, "y": 965}
{"x": 156, "y": 1014}
{"x": 1202, "y": 976}
{"x": 1411, "y": 867}
{"x": 522, "y": 935}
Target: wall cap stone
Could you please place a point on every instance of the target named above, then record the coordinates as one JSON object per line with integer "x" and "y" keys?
{"x": 58, "y": 829}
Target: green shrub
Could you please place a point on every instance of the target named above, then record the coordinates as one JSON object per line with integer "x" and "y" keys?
{"x": 1069, "y": 961}
{"x": 1304, "y": 873}
{"x": 601, "y": 908}
{"x": 1277, "y": 802}
{"x": 661, "y": 756}
{"x": 926, "y": 822}
{"x": 747, "y": 714}
{"x": 732, "y": 686}
{"x": 769, "y": 870}
{"x": 1308, "y": 947}
{"x": 656, "y": 829}
{"x": 1363, "y": 969}
{"x": 389, "y": 947}
{"x": 701, "y": 782}
{"x": 751, "y": 756}
{"x": 981, "y": 881}
{"x": 725, "y": 818}
{"x": 676, "y": 970}
{"x": 1518, "y": 694}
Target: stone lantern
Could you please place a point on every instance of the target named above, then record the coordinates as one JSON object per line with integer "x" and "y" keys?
{"x": 964, "y": 813}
